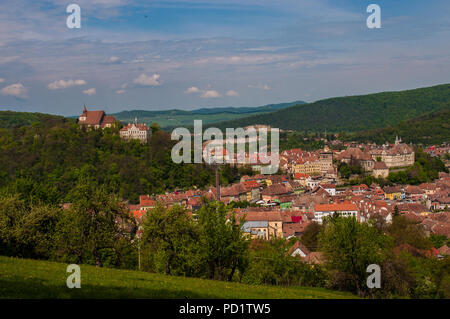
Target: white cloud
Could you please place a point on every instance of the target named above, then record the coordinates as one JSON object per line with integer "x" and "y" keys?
{"x": 120, "y": 91}
{"x": 62, "y": 84}
{"x": 264, "y": 87}
{"x": 145, "y": 80}
{"x": 192, "y": 89}
{"x": 210, "y": 94}
{"x": 17, "y": 90}
{"x": 114, "y": 59}
{"x": 90, "y": 91}
{"x": 232, "y": 93}
{"x": 2, "y": 80}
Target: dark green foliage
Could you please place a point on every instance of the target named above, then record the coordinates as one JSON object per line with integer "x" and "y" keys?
{"x": 354, "y": 113}
{"x": 222, "y": 241}
{"x": 26, "y": 231}
{"x": 433, "y": 128}
{"x": 45, "y": 163}
{"x": 9, "y": 119}
{"x": 310, "y": 237}
{"x": 345, "y": 170}
{"x": 407, "y": 231}
{"x": 303, "y": 140}
{"x": 350, "y": 247}
{"x": 169, "y": 239}
{"x": 214, "y": 247}
{"x": 270, "y": 263}
{"x": 96, "y": 228}
{"x": 439, "y": 240}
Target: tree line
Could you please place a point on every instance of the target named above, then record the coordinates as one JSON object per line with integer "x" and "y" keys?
{"x": 97, "y": 229}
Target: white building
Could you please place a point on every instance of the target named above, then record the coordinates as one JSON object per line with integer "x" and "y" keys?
{"x": 329, "y": 188}
{"x": 136, "y": 131}
{"x": 342, "y": 209}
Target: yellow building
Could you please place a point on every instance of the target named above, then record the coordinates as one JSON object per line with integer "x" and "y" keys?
{"x": 392, "y": 193}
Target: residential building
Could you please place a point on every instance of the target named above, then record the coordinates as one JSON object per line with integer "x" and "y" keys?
{"x": 95, "y": 119}
{"x": 342, "y": 209}
{"x": 136, "y": 131}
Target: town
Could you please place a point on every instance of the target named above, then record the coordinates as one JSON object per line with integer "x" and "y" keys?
{"x": 310, "y": 188}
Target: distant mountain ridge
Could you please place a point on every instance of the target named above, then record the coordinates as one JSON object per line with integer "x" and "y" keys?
{"x": 215, "y": 110}
{"x": 353, "y": 113}
{"x": 176, "y": 117}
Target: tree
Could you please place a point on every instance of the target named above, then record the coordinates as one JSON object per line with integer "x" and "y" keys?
{"x": 407, "y": 231}
{"x": 310, "y": 237}
{"x": 94, "y": 227}
{"x": 349, "y": 247}
{"x": 26, "y": 231}
{"x": 171, "y": 234}
{"x": 222, "y": 241}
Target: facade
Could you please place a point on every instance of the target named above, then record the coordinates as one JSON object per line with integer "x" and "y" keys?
{"x": 342, "y": 209}
{"x": 380, "y": 170}
{"x": 95, "y": 119}
{"x": 136, "y": 131}
{"x": 326, "y": 160}
{"x": 393, "y": 193}
{"x": 398, "y": 155}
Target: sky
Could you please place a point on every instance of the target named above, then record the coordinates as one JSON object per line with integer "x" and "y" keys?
{"x": 188, "y": 54}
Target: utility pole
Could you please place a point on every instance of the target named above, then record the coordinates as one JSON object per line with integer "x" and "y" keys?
{"x": 139, "y": 234}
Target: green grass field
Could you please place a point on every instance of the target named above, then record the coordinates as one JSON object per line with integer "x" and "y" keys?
{"x": 24, "y": 278}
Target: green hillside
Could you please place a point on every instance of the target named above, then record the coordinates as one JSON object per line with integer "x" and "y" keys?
{"x": 175, "y": 118}
{"x": 24, "y": 278}
{"x": 433, "y": 128}
{"x": 354, "y": 113}
{"x": 10, "y": 119}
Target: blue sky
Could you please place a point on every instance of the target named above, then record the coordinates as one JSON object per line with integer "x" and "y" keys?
{"x": 133, "y": 54}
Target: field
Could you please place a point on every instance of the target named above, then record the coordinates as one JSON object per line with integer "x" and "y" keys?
{"x": 24, "y": 278}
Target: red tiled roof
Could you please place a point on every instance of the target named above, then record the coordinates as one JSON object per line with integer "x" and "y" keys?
{"x": 335, "y": 207}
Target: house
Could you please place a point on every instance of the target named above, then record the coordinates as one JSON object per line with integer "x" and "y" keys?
{"x": 345, "y": 209}
{"x": 136, "y": 131}
{"x": 274, "y": 191}
{"x": 380, "y": 170}
{"x": 301, "y": 178}
{"x": 234, "y": 193}
{"x": 393, "y": 193}
{"x": 298, "y": 249}
{"x": 95, "y": 119}
{"x": 264, "y": 224}
{"x": 329, "y": 188}
{"x": 415, "y": 193}
{"x": 294, "y": 229}
{"x": 443, "y": 251}
{"x": 253, "y": 190}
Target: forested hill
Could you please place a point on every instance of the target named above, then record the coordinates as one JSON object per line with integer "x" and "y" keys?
{"x": 10, "y": 119}
{"x": 354, "y": 113}
{"x": 433, "y": 128}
